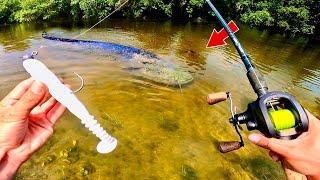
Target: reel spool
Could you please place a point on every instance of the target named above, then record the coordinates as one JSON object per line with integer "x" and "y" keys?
{"x": 275, "y": 114}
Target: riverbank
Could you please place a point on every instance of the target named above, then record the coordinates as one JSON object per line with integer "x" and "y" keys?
{"x": 291, "y": 17}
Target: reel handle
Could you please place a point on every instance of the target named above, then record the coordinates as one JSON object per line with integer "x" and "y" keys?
{"x": 215, "y": 98}
{"x": 228, "y": 146}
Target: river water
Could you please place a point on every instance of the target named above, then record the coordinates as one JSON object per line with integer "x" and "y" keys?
{"x": 163, "y": 132}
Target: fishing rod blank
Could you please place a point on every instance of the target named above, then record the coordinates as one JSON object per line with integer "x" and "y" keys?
{"x": 256, "y": 79}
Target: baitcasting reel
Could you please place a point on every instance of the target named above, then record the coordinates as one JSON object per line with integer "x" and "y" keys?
{"x": 275, "y": 114}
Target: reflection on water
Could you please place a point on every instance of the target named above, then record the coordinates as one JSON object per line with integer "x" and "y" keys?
{"x": 310, "y": 80}
{"x": 163, "y": 133}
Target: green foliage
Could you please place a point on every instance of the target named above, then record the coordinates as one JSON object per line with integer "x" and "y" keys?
{"x": 7, "y": 8}
{"x": 140, "y": 8}
{"x": 294, "y": 16}
{"x": 258, "y": 18}
{"x": 297, "y": 19}
{"x": 31, "y": 10}
{"x": 288, "y": 15}
{"x": 192, "y": 6}
{"x": 95, "y": 9}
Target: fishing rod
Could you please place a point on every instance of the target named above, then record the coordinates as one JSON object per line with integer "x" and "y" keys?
{"x": 276, "y": 114}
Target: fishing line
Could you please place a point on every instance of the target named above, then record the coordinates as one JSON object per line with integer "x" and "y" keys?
{"x": 34, "y": 53}
{"x": 67, "y": 97}
{"x": 89, "y": 29}
{"x": 117, "y": 9}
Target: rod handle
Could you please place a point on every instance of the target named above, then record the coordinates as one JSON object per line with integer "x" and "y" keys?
{"x": 228, "y": 146}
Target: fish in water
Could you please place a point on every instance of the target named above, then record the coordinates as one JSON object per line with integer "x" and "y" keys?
{"x": 149, "y": 64}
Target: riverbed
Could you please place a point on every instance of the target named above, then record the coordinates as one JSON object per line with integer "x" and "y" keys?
{"x": 163, "y": 132}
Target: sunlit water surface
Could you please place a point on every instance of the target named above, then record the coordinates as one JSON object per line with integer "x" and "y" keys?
{"x": 163, "y": 132}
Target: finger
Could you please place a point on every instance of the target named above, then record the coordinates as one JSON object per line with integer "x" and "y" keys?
{"x": 44, "y": 108}
{"x": 48, "y": 105}
{"x": 17, "y": 92}
{"x": 276, "y": 145}
{"x": 314, "y": 123}
{"x": 38, "y": 110}
{"x": 56, "y": 112}
{"x": 31, "y": 98}
{"x": 45, "y": 98}
{"x": 275, "y": 157}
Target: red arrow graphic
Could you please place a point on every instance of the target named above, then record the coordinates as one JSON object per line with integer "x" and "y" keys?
{"x": 218, "y": 38}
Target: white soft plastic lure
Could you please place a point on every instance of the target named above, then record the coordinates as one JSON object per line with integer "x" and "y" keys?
{"x": 65, "y": 96}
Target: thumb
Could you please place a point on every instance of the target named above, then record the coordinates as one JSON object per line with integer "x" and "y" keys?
{"x": 275, "y": 145}
{"x": 32, "y": 97}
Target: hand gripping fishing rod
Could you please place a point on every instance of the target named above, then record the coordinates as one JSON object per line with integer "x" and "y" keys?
{"x": 275, "y": 114}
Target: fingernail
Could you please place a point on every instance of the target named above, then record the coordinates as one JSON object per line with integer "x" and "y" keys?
{"x": 255, "y": 138}
{"x": 37, "y": 87}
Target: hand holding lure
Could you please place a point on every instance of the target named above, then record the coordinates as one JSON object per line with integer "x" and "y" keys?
{"x": 66, "y": 97}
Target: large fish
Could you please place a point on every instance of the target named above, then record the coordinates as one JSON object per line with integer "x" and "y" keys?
{"x": 149, "y": 64}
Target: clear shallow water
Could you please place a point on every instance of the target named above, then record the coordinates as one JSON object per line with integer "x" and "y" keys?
{"x": 163, "y": 133}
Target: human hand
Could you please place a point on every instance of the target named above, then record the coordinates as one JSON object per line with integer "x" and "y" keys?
{"x": 301, "y": 154}
{"x": 27, "y": 120}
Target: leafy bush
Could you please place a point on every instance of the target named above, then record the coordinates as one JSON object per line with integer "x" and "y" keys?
{"x": 258, "y": 18}
{"x": 294, "y": 16}
{"x": 287, "y": 15}
{"x": 297, "y": 18}
{"x": 7, "y": 9}
{"x": 40, "y": 9}
{"x": 155, "y": 8}
{"x": 95, "y": 9}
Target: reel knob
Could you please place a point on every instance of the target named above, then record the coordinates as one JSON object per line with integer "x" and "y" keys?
{"x": 215, "y": 98}
{"x": 229, "y": 146}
